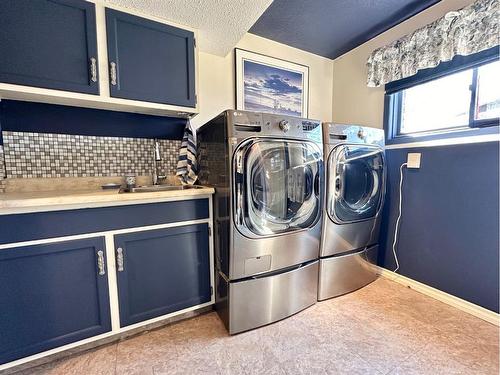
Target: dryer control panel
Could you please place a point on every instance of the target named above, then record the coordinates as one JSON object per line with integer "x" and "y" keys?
{"x": 339, "y": 133}
{"x": 244, "y": 124}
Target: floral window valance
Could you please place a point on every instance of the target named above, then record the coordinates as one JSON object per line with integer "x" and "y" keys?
{"x": 469, "y": 30}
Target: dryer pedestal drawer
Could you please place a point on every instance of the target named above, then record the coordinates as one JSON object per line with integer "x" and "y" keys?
{"x": 345, "y": 273}
{"x": 260, "y": 301}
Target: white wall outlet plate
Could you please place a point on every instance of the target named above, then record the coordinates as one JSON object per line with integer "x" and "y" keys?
{"x": 413, "y": 159}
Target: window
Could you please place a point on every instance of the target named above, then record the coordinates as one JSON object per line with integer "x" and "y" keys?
{"x": 441, "y": 100}
{"x": 439, "y": 104}
{"x": 487, "y": 104}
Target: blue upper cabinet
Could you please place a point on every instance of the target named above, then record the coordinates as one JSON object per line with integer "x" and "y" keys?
{"x": 150, "y": 61}
{"x": 49, "y": 44}
{"x": 161, "y": 271}
{"x": 52, "y": 295}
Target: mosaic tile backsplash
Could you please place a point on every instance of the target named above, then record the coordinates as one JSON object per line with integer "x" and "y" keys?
{"x": 2, "y": 171}
{"x": 2, "y": 164}
{"x": 36, "y": 155}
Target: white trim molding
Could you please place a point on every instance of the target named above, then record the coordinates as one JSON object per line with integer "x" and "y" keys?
{"x": 447, "y": 142}
{"x": 466, "y": 306}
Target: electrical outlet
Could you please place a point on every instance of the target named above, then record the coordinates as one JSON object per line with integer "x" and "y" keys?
{"x": 413, "y": 159}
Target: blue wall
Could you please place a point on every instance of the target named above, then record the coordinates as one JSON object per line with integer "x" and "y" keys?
{"x": 449, "y": 235}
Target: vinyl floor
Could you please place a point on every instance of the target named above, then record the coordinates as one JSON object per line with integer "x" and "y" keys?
{"x": 384, "y": 328}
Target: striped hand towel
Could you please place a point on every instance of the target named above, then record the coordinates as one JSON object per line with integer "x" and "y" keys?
{"x": 187, "y": 165}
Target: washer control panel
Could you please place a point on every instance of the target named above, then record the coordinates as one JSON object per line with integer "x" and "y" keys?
{"x": 246, "y": 124}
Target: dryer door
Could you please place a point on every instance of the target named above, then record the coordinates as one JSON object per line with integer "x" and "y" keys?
{"x": 276, "y": 185}
{"x": 355, "y": 182}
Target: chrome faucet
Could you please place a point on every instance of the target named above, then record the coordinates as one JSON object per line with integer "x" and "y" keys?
{"x": 157, "y": 178}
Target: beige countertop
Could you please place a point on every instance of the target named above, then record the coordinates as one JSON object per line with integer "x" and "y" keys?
{"x": 11, "y": 203}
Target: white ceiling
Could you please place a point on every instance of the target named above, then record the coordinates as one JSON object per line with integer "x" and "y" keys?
{"x": 221, "y": 23}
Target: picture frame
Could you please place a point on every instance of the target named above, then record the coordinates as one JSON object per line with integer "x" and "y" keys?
{"x": 269, "y": 84}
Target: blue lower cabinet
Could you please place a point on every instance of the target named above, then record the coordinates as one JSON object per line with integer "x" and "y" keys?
{"x": 51, "y": 295}
{"x": 161, "y": 271}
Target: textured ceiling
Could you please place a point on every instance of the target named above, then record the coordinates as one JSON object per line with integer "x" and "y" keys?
{"x": 330, "y": 28}
{"x": 221, "y": 23}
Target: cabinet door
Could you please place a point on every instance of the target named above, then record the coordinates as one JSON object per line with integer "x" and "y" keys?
{"x": 161, "y": 271}
{"x": 52, "y": 295}
{"x": 150, "y": 61}
{"x": 50, "y": 44}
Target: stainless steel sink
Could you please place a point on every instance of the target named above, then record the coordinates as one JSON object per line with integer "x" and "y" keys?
{"x": 153, "y": 188}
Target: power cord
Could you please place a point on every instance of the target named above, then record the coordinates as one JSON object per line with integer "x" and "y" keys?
{"x": 396, "y": 230}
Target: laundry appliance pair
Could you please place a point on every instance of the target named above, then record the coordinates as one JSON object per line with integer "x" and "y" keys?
{"x": 295, "y": 202}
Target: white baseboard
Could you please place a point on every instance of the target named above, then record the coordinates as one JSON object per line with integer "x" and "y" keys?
{"x": 468, "y": 307}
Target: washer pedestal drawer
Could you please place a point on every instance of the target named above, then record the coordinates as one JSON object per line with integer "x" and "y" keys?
{"x": 345, "y": 273}
{"x": 255, "y": 302}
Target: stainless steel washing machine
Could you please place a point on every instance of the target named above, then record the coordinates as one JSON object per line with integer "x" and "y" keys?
{"x": 267, "y": 171}
{"x": 355, "y": 189}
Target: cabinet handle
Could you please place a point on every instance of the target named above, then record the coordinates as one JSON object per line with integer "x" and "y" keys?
{"x": 112, "y": 73}
{"x": 100, "y": 262}
{"x": 93, "y": 69}
{"x": 119, "y": 259}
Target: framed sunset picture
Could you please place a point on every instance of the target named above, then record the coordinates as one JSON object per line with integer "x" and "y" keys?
{"x": 267, "y": 84}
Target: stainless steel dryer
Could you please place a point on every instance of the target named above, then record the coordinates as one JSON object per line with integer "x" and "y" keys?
{"x": 355, "y": 188}
{"x": 267, "y": 173}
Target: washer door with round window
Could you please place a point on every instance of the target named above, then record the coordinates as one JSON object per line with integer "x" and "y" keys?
{"x": 276, "y": 186}
{"x": 356, "y": 183}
